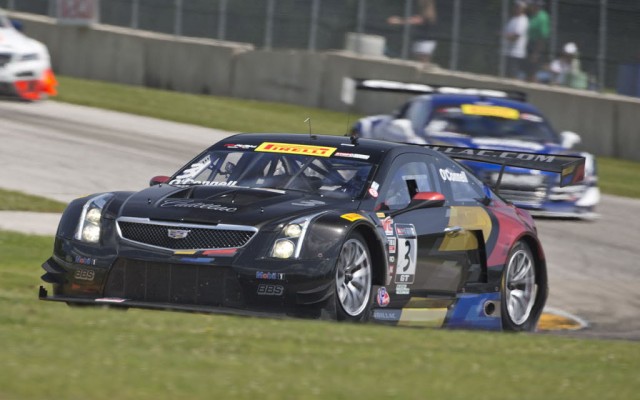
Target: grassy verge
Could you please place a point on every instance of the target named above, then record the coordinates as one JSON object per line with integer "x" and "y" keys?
{"x": 616, "y": 176}
{"x": 619, "y": 177}
{"x": 211, "y": 111}
{"x": 17, "y": 201}
{"x": 51, "y": 350}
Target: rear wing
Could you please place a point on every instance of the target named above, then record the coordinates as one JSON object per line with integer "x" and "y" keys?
{"x": 570, "y": 168}
{"x": 351, "y": 86}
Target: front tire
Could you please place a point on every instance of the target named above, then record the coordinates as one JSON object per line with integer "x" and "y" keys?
{"x": 521, "y": 295}
{"x": 354, "y": 272}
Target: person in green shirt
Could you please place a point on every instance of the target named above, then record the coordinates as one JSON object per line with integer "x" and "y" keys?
{"x": 538, "y": 35}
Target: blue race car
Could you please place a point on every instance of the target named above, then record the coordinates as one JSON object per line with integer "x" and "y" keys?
{"x": 492, "y": 120}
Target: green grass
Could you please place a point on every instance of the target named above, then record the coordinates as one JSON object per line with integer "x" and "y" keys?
{"x": 17, "y": 201}
{"x": 211, "y": 111}
{"x": 619, "y": 177}
{"x": 53, "y": 351}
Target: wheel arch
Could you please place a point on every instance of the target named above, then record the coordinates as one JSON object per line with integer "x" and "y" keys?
{"x": 377, "y": 252}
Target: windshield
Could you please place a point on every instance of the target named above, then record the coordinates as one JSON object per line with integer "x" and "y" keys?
{"x": 489, "y": 122}
{"x": 333, "y": 177}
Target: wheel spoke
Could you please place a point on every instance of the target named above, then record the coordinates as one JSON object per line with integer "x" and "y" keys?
{"x": 353, "y": 277}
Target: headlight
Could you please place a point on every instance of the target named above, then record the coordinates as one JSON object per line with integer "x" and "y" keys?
{"x": 283, "y": 248}
{"x": 29, "y": 57}
{"x": 289, "y": 242}
{"x": 89, "y": 226}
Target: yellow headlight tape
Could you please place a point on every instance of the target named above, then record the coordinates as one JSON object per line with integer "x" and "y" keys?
{"x": 352, "y": 217}
{"x": 490, "y": 111}
{"x": 288, "y": 148}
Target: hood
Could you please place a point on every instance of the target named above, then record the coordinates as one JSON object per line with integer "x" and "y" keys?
{"x": 15, "y": 42}
{"x": 225, "y": 205}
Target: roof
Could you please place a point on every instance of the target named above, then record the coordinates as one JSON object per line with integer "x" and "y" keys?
{"x": 342, "y": 144}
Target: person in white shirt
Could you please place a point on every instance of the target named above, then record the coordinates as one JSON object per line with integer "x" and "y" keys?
{"x": 514, "y": 46}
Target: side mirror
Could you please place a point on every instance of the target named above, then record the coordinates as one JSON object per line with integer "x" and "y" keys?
{"x": 570, "y": 139}
{"x": 422, "y": 200}
{"x": 157, "y": 180}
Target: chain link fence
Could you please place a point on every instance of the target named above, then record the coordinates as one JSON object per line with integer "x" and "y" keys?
{"x": 467, "y": 34}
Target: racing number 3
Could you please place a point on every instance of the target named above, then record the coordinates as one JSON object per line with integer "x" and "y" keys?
{"x": 408, "y": 254}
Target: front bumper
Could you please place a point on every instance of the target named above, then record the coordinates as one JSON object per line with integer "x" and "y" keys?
{"x": 219, "y": 285}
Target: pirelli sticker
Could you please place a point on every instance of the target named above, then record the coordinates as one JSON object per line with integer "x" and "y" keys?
{"x": 490, "y": 111}
{"x": 288, "y": 148}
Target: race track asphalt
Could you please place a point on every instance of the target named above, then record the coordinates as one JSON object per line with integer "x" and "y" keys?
{"x": 64, "y": 151}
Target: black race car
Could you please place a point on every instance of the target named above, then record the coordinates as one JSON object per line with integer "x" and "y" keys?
{"x": 313, "y": 226}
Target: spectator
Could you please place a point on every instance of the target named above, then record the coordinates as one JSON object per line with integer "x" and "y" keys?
{"x": 538, "y": 34}
{"x": 421, "y": 24}
{"x": 515, "y": 41}
{"x": 566, "y": 71}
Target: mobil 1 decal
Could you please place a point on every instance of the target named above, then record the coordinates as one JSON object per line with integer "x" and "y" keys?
{"x": 407, "y": 253}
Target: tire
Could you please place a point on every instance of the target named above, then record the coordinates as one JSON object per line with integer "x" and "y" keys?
{"x": 523, "y": 291}
{"x": 353, "y": 280}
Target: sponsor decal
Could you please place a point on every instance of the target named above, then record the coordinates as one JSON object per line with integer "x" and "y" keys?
{"x": 352, "y": 155}
{"x": 288, "y": 148}
{"x": 178, "y": 233}
{"x": 402, "y": 289}
{"x": 85, "y": 260}
{"x": 186, "y": 203}
{"x": 351, "y": 217}
{"x": 490, "y": 111}
{"x": 373, "y": 189}
{"x": 111, "y": 300}
{"x": 240, "y": 146}
{"x": 392, "y": 259}
{"x": 392, "y": 245}
{"x": 380, "y": 215}
{"x": 383, "y": 298}
{"x": 387, "y": 225}
{"x": 270, "y": 276}
{"x": 448, "y": 175}
{"x": 309, "y": 203}
{"x": 405, "y": 230}
{"x": 407, "y": 253}
{"x": 84, "y": 275}
{"x": 387, "y": 315}
{"x": 195, "y": 169}
{"x": 190, "y": 181}
{"x": 270, "y": 290}
{"x": 509, "y": 155}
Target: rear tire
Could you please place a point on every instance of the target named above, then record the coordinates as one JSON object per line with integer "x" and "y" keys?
{"x": 522, "y": 290}
{"x": 353, "y": 280}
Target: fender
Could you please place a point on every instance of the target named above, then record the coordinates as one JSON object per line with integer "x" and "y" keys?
{"x": 329, "y": 231}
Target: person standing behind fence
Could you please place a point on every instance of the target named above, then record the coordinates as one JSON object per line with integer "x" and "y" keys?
{"x": 421, "y": 24}
{"x": 538, "y": 34}
{"x": 515, "y": 41}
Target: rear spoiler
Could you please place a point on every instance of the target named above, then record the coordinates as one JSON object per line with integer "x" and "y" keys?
{"x": 570, "y": 168}
{"x": 350, "y": 86}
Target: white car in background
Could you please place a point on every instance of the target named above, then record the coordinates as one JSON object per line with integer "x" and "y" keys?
{"x": 25, "y": 65}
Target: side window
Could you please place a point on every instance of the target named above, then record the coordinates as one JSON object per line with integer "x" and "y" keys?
{"x": 464, "y": 187}
{"x": 406, "y": 179}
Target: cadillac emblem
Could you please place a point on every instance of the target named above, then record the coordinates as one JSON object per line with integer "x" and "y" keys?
{"x": 178, "y": 233}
